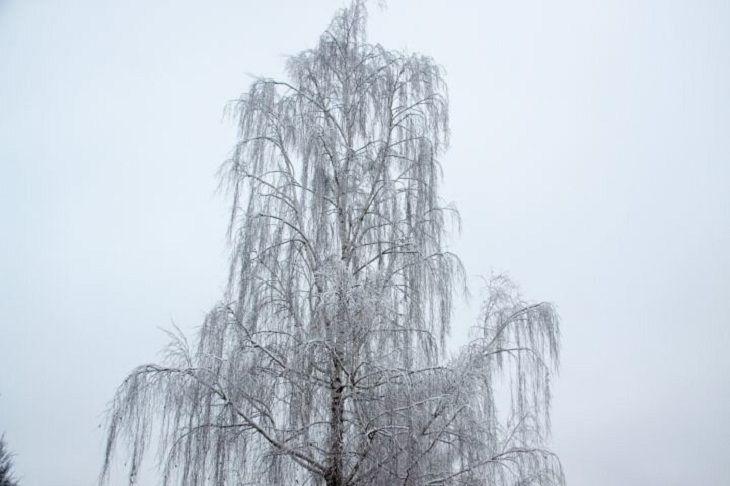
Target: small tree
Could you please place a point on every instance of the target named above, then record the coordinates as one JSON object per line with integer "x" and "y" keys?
{"x": 325, "y": 362}
{"x": 7, "y": 477}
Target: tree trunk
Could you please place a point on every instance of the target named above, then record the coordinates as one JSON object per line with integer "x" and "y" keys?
{"x": 334, "y": 476}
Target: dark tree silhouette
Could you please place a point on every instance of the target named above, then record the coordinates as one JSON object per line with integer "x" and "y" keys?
{"x": 6, "y": 466}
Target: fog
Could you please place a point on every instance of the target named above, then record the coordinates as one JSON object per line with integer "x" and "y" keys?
{"x": 590, "y": 159}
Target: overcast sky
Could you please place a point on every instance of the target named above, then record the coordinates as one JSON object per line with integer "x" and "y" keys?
{"x": 590, "y": 159}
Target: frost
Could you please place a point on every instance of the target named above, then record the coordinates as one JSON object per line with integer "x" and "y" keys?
{"x": 324, "y": 363}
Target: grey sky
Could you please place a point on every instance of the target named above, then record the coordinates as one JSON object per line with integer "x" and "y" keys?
{"x": 590, "y": 159}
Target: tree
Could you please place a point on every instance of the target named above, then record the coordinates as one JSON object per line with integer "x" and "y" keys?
{"x": 325, "y": 362}
{"x": 7, "y": 477}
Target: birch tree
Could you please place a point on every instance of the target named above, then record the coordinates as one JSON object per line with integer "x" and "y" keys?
{"x": 325, "y": 362}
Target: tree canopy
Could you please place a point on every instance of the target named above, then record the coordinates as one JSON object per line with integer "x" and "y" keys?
{"x": 325, "y": 361}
